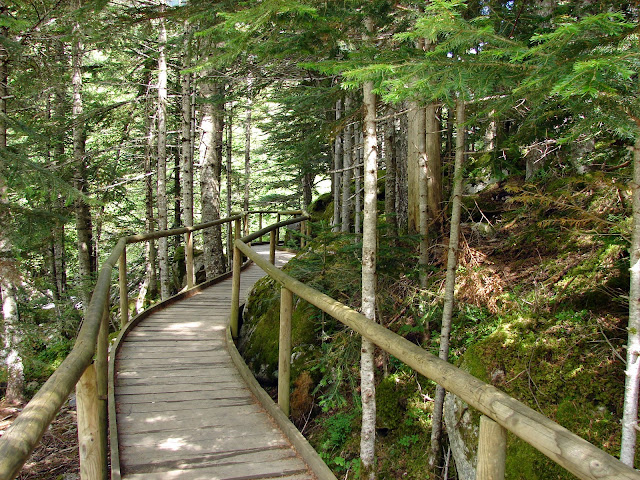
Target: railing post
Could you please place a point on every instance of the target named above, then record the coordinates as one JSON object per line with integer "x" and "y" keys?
{"x": 124, "y": 292}
{"x": 272, "y": 247}
{"x": 245, "y": 222}
{"x": 101, "y": 366}
{"x": 188, "y": 241}
{"x": 492, "y": 450}
{"x": 303, "y": 228}
{"x": 91, "y": 467}
{"x": 284, "y": 358}
{"x": 235, "y": 288}
{"x": 278, "y": 231}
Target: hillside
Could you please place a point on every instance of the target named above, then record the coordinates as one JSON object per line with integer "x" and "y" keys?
{"x": 542, "y": 287}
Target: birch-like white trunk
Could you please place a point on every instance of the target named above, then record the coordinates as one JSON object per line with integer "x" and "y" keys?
{"x": 416, "y": 137}
{"x": 8, "y": 274}
{"x": 369, "y": 255}
{"x": 434, "y": 165}
{"x": 337, "y": 174}
{"x": 450, "y": 282}
{"x": 632, "y": 371}
{"x": 347, "y": 174}
{"x": 163, "y": 246}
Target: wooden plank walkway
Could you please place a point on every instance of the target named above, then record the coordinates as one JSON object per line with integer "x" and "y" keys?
{"x": 183, "y": 410}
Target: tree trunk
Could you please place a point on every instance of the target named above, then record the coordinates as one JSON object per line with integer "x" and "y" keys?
{"x": 307, "y": 189}
{"x": 632, "y": 372}
{"x": 390, "y": 176}
{"x": 337, "y": 171}
{"x": 369, "y": 254}
{"x": 357, "y": 227}
{"x": 416, "y": 139}
{"x": 402, "y": 194}
{"x": 434, "y": 167}
{"x": 450, "y": 283}
{"x": 163, "y": 245}
{"x": 247, "y": 150}
{"x": 149, "y": 285}
{"x": 423, "y": 195}
{"x": 9, "y": 276}
{"x": 347, "y": 166}
{"x": 186, "y": 158}
{"x": 210, "y": 178}
{"x": 229, "y": 183}
{"x": 82, "y": 211}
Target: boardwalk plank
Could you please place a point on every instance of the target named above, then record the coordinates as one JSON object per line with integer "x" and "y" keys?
{"x": 183, "y": 411}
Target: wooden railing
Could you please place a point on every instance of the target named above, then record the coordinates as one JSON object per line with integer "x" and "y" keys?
{"x": 500, "y": 412}
{"x": 86, "y": 366}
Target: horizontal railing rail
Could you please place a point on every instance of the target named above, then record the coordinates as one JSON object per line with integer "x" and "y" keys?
{"x": 85, "y": 367}
{"x": 500, "y": 411}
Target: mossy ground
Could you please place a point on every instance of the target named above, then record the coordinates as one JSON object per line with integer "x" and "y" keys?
{"x": 540, "y": 314}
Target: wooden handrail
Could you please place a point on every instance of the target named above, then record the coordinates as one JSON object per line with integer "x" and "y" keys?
{"x": 563, "y": 447}
{"x": 19, "y": 441}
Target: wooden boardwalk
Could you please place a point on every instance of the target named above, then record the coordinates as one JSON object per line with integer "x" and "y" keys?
{"x": 183, "y": 410}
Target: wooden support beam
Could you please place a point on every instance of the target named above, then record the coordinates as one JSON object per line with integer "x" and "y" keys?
{"x": 272, "y": 247}
{"x": 124, "y": 291}
{"x": 284, "y": 351}
{"x": 492, "y": 450}
{"x": 91, "y": 467}
{"x": 102, "y": 374}
{"x": 188, "y": 240}
{"x": 235, "y": 288}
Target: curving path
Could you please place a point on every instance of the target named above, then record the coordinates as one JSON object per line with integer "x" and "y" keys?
{"x": 183, "y": 410}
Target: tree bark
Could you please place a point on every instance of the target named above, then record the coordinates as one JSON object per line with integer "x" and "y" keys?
{"x": 347, "y": 174}
{"x": 390, "y": 176}
{"x": 82, "y": 211}
{"x": 210, "y": 178}
{"x": 632, "y": 371}
{"x": 337, "y": 167}
{"x": 229, "y": 145}
{"x": 369, "y": 255}
{"x": 434, "y": 167}
{"x": 357, "y": 227}
{"x": 402, "y": 198}
{"x": 186, "y": 157}
{"x": 450, "y": 282}
{"x": 163, "y": 245}
{"x": 247, "y": 148}
{"x": 9, "y": 275}
{"x": 416, "y": 147}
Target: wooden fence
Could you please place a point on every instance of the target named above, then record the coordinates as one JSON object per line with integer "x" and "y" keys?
{"x": 86, "y": 366}
{"x": 500, "y": 412}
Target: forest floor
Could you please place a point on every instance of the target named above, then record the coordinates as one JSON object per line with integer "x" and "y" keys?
{"x": 56, "y": 456}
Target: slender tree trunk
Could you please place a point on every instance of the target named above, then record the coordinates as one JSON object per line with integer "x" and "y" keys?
{"x": 632, "y": 372}
{"x": 337, "y": 167}
{"x": 358, "y": 183}
{"x": 163, "y": 246}
{"x": 185, "y": 140}
{"x": 149, "y": 286}
{"x": 210, "y": 179}
{"x": 433, "y": 166}
{"x": 229, "y": 129}
{"x": 369, "y": 255}
{"x": 402, "y": 195}
{"x": 390, "y": 177}
{"x": 347, "y": 166}
{"x": 416, "y": 148}
{"x": 247, "y": 149}
{"x": 307, "y": 189}
{"x": 9, "y": 275}
{"x": 450, "y": 283}
{"x": 83, "y": 214}
{"x": 423, "y": 198}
